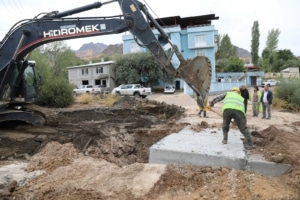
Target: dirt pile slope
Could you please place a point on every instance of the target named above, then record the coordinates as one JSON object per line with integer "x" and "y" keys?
{"x": 102, "y": 153}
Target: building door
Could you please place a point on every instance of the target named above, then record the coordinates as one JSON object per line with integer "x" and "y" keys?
{"x": 253, "y": 80}
{"x": 177, "y": 85}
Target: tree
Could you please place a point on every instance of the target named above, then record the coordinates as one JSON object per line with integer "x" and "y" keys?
{"x": 255, "y": 43}
{"x": 59, "y": 57}
{"x": 139, "y": 68}
{"x": 225, "y": 48}
{"x": 52, "y": 61}
{"x": 284, "y": 59}
{"x": 221, "y": 65}
{"x": 234, "y": 65}
{"x": 269, "y": 53}
{"x": 272, "y": 39}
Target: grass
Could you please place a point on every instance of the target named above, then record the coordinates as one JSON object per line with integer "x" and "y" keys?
{"x": 102, "y": 99}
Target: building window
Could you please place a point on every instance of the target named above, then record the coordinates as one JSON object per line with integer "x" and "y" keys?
{"x": 134, "y": 47}
{"x": 85, "y": 71}
{"x": 200, "y": 52}
{"x": 99, "y": 70}
{"x": 200, "y": 40}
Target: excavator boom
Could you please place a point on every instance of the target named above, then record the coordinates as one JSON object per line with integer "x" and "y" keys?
{"x": 30, "y": 34}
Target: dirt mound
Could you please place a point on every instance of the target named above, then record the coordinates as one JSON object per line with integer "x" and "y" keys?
{"x": 102, "y": 153}
{"x": 277, "y": 146}
{"x": 52, "y": 156}
{"x": 90, "y": 178}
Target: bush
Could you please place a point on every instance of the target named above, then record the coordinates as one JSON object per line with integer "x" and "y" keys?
{"x": 56, "y": 92}
{"x": 289, "y": 91}
{"x": 109, "y": 99}
{"x": 86, "y": 98}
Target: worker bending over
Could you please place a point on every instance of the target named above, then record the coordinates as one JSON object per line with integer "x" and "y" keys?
{"x": 233, "y": 108}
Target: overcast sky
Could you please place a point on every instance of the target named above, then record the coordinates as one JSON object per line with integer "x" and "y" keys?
{"x": 236, "y": 17}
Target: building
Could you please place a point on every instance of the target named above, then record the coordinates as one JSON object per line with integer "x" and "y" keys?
{"x": 291, "y": 72}
{"x": 193, "y": 36}
{"x": 99, "y": 73}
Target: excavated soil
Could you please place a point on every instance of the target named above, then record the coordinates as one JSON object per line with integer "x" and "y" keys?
{"x": 100, "y": 152}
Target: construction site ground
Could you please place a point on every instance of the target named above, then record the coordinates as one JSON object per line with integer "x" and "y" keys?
{"x": 101, "y": 152}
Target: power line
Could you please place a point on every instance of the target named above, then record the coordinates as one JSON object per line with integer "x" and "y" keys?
{"x": 8, "y": 9}
{"x": 17, "y": 9}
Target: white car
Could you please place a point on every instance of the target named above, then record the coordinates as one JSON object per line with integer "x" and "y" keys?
{"x": 169, "y": 89}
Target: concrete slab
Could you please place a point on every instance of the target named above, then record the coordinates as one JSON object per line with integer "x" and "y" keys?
{"x": 206, "y": 149}
{"x": 258, "y": 164}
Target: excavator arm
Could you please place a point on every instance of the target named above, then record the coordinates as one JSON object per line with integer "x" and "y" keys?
{"x": 55, "y": 26}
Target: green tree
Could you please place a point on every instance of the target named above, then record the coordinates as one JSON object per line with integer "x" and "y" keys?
{"x": 59, "y": 57}
{"x": 52, "y": 61}
{"x": 225, "y": 47}
{"x": 283, "y": 59}
{"x": 221, "y": 64}
{"x": 139, "y": 68}
{"x": 234, "y": 65}
{"x": 269, "y": 52}
{"x": 285, "y": 54}
{"x": 255, "y": 43}
{"x": 272, "y": 39}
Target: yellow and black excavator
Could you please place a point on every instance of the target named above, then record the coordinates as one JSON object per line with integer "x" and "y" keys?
{"x": 18, "y": 86}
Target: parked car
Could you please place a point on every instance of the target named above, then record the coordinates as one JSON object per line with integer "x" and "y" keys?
{"x": 136, "y": 90}
{"x": 99, "y": 89}
{"x": 169, "y": 89}
{"x": 82, "y": 89}
{"x": 270, "y": 82}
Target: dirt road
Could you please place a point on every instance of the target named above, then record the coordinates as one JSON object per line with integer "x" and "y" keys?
{"x": 100, "y": 152}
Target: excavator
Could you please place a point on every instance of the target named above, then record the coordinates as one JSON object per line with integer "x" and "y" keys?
{"x": 18, "y": 77}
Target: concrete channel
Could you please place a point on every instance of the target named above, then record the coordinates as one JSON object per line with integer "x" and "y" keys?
{"x": 206, "y": 149}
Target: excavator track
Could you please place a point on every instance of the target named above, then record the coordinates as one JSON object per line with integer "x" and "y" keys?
{"x": 49, "y": 116}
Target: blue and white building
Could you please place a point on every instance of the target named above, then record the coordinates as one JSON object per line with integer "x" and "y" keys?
{"x": 192, "y": 35}
{"x": 196, "y": 36}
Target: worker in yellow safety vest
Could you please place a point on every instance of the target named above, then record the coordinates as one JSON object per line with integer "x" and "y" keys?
{"x": 233, "y": 108}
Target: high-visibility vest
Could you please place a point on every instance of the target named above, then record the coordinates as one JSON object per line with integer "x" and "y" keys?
{"x": 234, "y": 101}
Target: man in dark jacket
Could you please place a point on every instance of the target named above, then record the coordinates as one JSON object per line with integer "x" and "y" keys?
{"x": 245, "y": 95}
{"x": 266, "y": 99}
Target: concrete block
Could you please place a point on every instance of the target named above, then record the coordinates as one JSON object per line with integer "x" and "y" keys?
{"x": 200, "y": 148}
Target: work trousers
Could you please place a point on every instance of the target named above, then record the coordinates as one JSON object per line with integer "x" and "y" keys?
{"x": 266, "y": 108}
{"x": 240, "y": 120}
{"x": 246, "y": 104}
{"x": 255, "y": 108}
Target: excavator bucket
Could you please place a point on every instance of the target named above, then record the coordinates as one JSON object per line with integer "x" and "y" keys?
{"x": 197, "y": 74}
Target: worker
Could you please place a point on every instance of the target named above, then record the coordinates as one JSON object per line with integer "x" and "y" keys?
{"x": 245, "y": 94}
{"x": 233, "y": 108}
{"x": 203, "y": 108}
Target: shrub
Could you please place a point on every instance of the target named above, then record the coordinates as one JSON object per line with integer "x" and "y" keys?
{"x": 86, "y": 98}
{"x": 289, "y": 91}
{"x": 55, "y": 92}
{"x": 109, "y": 99}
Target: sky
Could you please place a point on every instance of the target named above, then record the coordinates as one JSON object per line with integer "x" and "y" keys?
{"x": 236, "y": 17}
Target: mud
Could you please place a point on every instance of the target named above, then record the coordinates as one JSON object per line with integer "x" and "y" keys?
{"x": 100, "y": 152}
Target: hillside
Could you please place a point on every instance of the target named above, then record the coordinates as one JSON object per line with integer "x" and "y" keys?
{"x": 92, "y": 51}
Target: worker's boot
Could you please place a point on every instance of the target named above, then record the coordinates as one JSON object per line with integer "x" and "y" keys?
{"x": 204, "y": 114}
{"x": 200, "y": 113}
{"x": 225, "y": 137}
{"x": 249, "y": 144}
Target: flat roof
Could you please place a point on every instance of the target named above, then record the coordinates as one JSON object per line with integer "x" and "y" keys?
{"x": 186, "y": 21}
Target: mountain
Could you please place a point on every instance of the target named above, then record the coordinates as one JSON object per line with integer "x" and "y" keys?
{"x": 243, "y": 53}
{"x": 92, "y": 51}
{"x": 96, "y": 50}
